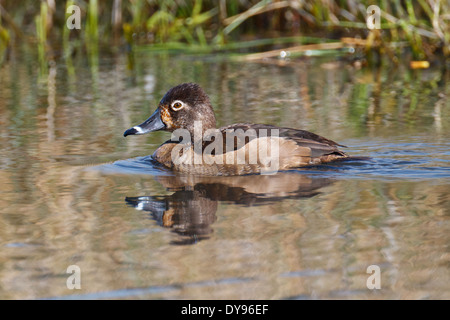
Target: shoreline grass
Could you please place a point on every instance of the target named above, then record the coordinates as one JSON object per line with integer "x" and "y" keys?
{"x": 419, "y": 29}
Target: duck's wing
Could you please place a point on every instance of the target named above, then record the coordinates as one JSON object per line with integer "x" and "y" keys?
{"x": 318, "y": 145}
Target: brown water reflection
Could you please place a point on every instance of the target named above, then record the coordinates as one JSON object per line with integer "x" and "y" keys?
{"x": 68, "y": 178}
{"x": 191, "y": 210}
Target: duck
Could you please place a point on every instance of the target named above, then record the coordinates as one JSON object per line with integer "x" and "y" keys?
{"x": 198, "y": 147}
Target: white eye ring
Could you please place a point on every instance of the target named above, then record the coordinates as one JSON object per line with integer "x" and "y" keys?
{"x": 177, "y": 108}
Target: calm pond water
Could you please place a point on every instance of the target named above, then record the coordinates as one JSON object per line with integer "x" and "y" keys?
{"x": 74, "y": 191}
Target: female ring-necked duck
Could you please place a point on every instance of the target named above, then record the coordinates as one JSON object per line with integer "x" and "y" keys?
{"x": 198, "y": 147}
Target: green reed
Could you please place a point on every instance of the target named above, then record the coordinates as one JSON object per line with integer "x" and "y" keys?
{"x": 69, "y": 45}
{"x": 420, "y": 27}
{"x": 4, "y": 41}
{"x": 41, "y": 34}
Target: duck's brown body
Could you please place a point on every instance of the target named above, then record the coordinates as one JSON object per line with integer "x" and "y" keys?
{"x": 277, "y": 148}
{"x": 296, "y": 148}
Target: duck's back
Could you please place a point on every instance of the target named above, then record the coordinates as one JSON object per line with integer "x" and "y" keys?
{"x": 250, "y": 148}
{"x": 319, "y": 145}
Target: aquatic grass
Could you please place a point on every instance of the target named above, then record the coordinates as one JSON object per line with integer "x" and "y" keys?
{"x": 4, "y": 41}
{"x": 10, "y": 24}
{"x": 69, "y": 45}
{"x": 421, "y": 28}
{"x": 92, "y": 22}
{"x": 137, "y": 11}
{"x": 41, "y": 32}
{"x": 239, "y": 48}
{"x": 91, "y": 38}
{"x": 166, "y": 26}
{"x": 233, "y": 22}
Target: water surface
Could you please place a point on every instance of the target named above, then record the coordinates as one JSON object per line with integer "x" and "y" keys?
{"x": 75, "y": 192}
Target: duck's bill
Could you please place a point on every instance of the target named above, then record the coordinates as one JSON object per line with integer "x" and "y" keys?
{"x": 154, "y": 123}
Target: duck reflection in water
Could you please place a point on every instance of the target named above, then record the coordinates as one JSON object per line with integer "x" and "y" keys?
{"x": 191, "y": 210}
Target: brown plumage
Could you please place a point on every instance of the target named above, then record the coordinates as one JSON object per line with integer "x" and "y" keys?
{"x": 237, "y": 149}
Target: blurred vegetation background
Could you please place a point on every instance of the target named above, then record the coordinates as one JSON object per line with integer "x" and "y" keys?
{"x": 410, "y": 30}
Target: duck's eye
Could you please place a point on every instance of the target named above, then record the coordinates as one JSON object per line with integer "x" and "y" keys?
{"x": 177, "y": 105}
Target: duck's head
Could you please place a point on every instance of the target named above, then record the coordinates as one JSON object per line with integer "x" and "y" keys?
{"x": 180, "y": 108}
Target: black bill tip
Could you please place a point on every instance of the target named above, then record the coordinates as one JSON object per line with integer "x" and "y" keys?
{"x": 154, "y": 123}
{"x": 130, "y": 132}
